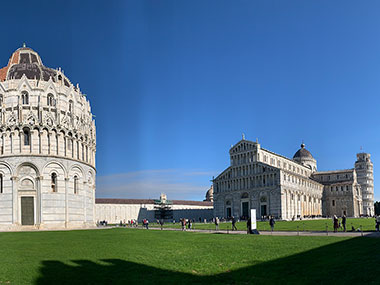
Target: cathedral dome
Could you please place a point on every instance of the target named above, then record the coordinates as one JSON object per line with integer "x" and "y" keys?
{"x": 304, "y": 157}
{"x": 25, "y": 61}
{"x": 302, "y": 153}
{"x": 210, "y": 194}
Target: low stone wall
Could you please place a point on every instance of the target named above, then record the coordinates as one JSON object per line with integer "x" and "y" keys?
{"x": 116, "y": 212}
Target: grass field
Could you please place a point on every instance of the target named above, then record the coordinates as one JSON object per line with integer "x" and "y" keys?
{"x": 130, "y": 256}
{"x": 366, "y": 224}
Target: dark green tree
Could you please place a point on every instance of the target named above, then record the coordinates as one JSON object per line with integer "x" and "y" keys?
{"x": 377, "y": 208}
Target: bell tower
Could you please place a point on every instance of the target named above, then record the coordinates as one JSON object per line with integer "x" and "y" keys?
{"x": 364, "y": 172}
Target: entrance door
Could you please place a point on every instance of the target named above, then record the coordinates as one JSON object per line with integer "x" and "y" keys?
{"x": 244, "y": 206}
{"x": 263, "y": 211}
{"x": 229, "y": 213}
{"x": 27, "y": 211}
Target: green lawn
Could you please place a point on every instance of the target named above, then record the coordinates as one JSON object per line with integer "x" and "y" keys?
{"x": 366, "y": 224}
{"x": 130, "y": 256}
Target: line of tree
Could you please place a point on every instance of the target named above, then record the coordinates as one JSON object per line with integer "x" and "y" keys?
{"x": 377, "y": 208}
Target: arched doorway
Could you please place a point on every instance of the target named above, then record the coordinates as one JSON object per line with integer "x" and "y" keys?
{"x": 244, "y": 206}
{"x": 263, "y": 206}
{"x": 228, "y": 209}
{"x": 28, "y": 198}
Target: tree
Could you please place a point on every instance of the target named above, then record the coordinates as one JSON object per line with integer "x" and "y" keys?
{"x": 377, "y": 208}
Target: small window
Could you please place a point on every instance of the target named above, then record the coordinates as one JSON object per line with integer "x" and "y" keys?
{"x": 25, "y": 98}
{"x": 50, "y": 100}
{"x": 333, "y": 202}
{"x": 1, "y": 183}
{"x": 75, "y": 184}
{"x": 54, "y": 182}
{"x": 1, "y": 100}
{"x": 26, "y": 136}
{"x": 71, "y": 106}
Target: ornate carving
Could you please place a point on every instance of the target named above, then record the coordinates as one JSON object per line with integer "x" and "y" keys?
{"x": 66, "y": 122}
{"x": 30, "y": 119}
{"x": 48, "y": 120}
{"x": 12, "y": 120}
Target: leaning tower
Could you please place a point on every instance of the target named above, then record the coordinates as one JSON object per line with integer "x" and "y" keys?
{"x": 47, "y": 147}
{"x": 364, "y": 171}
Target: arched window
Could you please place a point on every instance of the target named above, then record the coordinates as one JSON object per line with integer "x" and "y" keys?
{"x": 77, "y": 150}
{"x": 75, "y": 184}
{"x": 54, "y": 182}
{"x": 50, "y": 100}
{"x": 26, "y": 136}
{"x": 71, "y": 106}
{"x": 1, "y": 183}
{"x": 25, "y": 98}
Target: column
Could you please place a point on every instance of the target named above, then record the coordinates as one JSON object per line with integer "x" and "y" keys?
{"x": 66, "y": 202}
{"x": 85, "y": 202}
{"x": 53, "y": 143}
{"x": 39, "y": 213}
{"x": 17, "y": 141}
{"x": 14, "y": 200}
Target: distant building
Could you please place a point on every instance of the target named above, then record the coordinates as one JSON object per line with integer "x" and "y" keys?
{"x": 290, "y": 188}
{"x": 116, "y": 210}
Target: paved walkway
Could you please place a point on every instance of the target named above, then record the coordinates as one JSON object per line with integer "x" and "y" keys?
{"x": 265, "y": 233}
{"x": 283, "y": 233}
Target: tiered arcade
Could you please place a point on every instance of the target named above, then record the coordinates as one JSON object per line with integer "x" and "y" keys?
{"x": 47, "y": 147}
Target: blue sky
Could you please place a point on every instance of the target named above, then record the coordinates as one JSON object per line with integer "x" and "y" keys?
{"x": 174, "y": 83}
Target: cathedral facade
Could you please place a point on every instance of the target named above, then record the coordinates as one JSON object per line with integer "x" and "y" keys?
{"x": 290, "y": 188}
{"x": 47, "y": 148}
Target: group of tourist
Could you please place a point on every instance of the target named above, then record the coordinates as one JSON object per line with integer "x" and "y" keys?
{"x": 337, "y": 224}
{"x": 233, "y": 221}
{"x": 189, "y": 223}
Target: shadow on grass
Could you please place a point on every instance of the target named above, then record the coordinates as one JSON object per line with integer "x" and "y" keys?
{"x": 353, "y": 260}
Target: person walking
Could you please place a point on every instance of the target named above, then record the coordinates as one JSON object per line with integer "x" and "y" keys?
{"x": 189, "y": 224}
{"x": 335, "y": 223}
{"x": 271, "y": 223}
{"x": 147, "y": 224}
{"x": 234, "y": 228}
{"x": 217, "y": 224}
{"x": 378, "y": 223}
{"x": 249, "y": 228}
{"x": 183, "y": 224}
{"x": 344, "y": 222}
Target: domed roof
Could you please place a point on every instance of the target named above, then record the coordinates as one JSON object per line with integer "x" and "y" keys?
{"x": 210, "y": 194}
{"x": 302, "y": 153}
{"x": 25, "y": 61}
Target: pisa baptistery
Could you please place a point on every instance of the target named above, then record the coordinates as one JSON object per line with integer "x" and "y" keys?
{"x": 47, "y": 148}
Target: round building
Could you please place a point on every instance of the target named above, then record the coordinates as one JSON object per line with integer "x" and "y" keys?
{"x": 47, "y": 148}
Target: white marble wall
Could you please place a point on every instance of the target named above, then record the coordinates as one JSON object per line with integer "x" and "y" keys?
{"x": 114, "y": 213}
{"x": 31, "y": 177}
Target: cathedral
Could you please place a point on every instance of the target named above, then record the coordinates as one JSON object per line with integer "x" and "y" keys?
{"x": 290, "y": 188}
{"x": 47, "y": 147}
